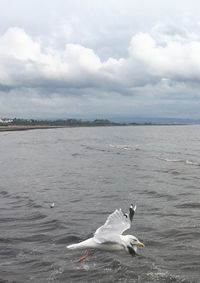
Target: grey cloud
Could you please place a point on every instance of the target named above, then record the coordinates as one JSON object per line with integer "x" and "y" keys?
{"x": 79, "y": 67}
{"x": 160, "y": 70}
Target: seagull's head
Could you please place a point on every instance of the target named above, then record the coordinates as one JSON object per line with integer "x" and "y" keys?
{"x": 132, "y": 243}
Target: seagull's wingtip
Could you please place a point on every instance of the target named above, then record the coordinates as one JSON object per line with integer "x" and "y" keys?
{"x": 134, "y": 208}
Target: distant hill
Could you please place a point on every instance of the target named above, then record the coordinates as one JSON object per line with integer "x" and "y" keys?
{"x": 155, "y": 120}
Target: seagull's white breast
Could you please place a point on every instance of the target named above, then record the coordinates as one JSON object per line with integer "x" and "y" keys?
{"x": 110, "y": 247}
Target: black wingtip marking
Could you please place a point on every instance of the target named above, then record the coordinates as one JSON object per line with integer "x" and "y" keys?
{"x": 132, "y": 212}
{"x": 126, "y": 215}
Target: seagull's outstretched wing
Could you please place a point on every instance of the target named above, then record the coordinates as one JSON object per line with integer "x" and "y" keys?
{"x": 115, "y": 225}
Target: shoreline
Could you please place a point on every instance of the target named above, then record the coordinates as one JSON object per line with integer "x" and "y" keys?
{"x": 26, "y": 128}
{"x": 41, "y": 127}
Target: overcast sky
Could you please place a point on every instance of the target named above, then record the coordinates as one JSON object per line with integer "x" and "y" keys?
{"x": 99, "y": 58}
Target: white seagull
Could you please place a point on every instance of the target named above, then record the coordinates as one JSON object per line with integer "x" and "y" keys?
{"x": 52, "y": 205}
{"x": 109, "y": 236}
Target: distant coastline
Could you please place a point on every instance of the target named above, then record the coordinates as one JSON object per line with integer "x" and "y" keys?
{"x": 47, "y": 126}
{"x": 25, "y": 128}
{"x": 32, "y": 124}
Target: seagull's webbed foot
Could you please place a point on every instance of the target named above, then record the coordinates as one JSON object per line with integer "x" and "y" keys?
{"x": 84, "y": 256}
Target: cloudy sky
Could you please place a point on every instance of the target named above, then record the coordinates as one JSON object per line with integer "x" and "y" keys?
{"x": 99, "y": 58}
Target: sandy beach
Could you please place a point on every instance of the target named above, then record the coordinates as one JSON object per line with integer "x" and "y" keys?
{"x": 25, "y": 128}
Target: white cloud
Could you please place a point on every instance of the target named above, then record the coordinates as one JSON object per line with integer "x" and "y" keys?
{"x": 160, "y": 65}
{"x": 17, "y": 44}
{"x": 176, "y": 58}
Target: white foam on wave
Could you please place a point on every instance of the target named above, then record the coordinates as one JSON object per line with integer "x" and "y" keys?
{"x": 123, "y": 146}
{"x": 165, "y": 276}
{"x": 160, "y": 275}
{"x": 171, "y": 160}
{"x": 55, "y": 273}
{"x": 187, "y": 162}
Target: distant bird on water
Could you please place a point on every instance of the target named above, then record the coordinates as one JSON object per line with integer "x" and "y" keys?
{"x": 52, "y": 205}
{"x": 109, "y": 236}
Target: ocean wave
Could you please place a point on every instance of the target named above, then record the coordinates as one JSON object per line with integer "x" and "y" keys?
{"x": 124, "y": 147}
{"x": 188, "y": 162}
{"x": 192, "y": 205}
{"x": 165, "y": 277}
{"x": 185, "y": 161}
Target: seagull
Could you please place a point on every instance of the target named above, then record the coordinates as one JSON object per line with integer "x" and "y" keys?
{"x": 109, "y": 236}
{"x": 52, "y": 205}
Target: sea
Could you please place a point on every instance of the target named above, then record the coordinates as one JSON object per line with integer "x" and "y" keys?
{"x": 88, "y": 173}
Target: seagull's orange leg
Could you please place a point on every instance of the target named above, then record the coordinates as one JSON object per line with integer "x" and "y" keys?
{"x": 84, "y": 255}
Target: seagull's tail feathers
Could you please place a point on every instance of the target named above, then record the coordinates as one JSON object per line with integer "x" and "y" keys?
{"x": 89, "y": 243}
{"x": 73, "y": 247}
